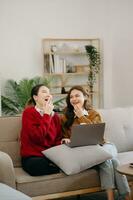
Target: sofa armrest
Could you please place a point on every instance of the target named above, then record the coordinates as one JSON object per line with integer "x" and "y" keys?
{"x": 7, "y": 173}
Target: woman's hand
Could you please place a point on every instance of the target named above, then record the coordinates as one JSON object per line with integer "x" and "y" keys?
{"x": 48, "y": 105}
{"x": 78, "y": 111}
{"x": 65, "y": 141}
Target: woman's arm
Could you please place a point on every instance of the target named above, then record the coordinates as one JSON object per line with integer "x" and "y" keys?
{"x": 93, "y": 117}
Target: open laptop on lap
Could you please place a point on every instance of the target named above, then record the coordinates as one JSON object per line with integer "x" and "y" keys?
{"x": 87, "y": 134}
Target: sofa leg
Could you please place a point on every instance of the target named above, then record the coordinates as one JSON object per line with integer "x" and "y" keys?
{"x": 78, "y": 197}
{"x": 131, "y": 188}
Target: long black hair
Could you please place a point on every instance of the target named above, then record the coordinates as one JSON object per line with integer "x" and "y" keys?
{"x": 69, "y": 110}
{"x": 34, "y": 91}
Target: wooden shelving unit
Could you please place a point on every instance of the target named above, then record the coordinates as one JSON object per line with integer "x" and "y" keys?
{"x": 66, "y": 62}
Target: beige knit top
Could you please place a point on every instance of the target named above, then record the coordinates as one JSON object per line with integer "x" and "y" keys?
{"x": 93, "y": 117}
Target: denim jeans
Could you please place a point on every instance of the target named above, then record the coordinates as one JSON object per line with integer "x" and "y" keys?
{"x": 111, "y": 178}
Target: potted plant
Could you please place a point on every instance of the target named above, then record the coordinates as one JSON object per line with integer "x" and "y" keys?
{"x": 94, "y": 65}
{"x": 16, "y": 94}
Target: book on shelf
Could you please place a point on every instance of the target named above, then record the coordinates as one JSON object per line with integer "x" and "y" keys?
{"x": 59, "y": 64}
{"x": 47, "y": 63}
{"x": 52, "y": 70}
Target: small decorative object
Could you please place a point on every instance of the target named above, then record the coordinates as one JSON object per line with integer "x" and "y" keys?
{"x": 63, "y": 84}
{"x": 63, "y": 90}
{"x": 94, "y": 65}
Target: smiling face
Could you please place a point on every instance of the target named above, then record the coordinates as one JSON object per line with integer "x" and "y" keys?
{"x": 77, "y": 98}
{"x": 42, "y": 96}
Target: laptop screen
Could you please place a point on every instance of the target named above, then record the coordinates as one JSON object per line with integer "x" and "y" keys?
{"x": 87, "y": 134}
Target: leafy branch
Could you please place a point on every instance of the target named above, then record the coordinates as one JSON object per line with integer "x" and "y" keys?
{"x": 94, "y": 64}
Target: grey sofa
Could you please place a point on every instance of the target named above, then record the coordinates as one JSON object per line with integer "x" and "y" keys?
{"x": 119, "y": 130}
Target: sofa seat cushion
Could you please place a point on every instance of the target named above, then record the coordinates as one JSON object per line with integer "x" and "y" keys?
{"x": 48, "y": 184}
{"x": 23, "y": 177}
{"x": 8, "y": 193}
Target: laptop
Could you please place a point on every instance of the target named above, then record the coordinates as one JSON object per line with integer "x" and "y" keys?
{"x": 87, "y": 134}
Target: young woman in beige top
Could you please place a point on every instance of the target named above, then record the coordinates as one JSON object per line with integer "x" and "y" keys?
{"x": 77, "y": 111}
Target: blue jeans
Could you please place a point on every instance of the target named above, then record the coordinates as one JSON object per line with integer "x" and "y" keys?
{"x": 111, "y": 178}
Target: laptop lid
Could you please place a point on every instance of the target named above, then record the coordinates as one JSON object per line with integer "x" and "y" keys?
{"x": 87, "y": 134}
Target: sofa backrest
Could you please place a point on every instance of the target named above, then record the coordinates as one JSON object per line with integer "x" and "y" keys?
{"x": 119, "y": 127}
{"x": 9, "y": 137}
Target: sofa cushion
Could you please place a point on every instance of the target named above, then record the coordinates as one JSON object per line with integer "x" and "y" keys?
{"x": 75, "y": 160}
{"x": 54, "y": 183}
{"x": 9, "y": 137}
{"x": 8, "y": 193}
{"x": 24, "y": 177}
{"x": 119, "y": 127}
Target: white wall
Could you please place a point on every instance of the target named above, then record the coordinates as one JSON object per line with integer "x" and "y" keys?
{"x": 23, "y": 24}
{"x": 122, "y": 59}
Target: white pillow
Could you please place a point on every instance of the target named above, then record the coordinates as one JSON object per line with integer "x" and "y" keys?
{"x": 75, "y": 160}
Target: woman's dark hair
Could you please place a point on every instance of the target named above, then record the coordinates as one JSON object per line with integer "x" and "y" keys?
{"x": 34, "y": 91}
{"x": 69, "y": 110}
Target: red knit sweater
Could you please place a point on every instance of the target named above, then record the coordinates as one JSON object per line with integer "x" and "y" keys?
{"x": 38, "y": 132}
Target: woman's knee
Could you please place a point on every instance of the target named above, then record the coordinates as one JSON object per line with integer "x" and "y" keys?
{"x": 106, "y": 165}
{"x": 111, "y": 148}
{"x": 115, "y": 162}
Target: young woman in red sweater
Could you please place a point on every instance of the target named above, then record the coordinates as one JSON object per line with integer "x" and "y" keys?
{"x": 41, "y": 129}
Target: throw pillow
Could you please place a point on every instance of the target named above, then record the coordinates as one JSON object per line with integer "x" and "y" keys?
{"x": 75, "y": 160}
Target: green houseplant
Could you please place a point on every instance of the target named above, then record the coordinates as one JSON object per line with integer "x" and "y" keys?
{"x": 16, "y": 94}
{"x": 94, "y": 65}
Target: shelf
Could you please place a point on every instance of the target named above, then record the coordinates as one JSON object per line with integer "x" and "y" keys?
{"x": 67, "y": 86}
{"x": 67, "y": 53}
{"x": 66, "y": 62}
{"x": 66, "y": 74}
{"x": 70, "y": 39}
